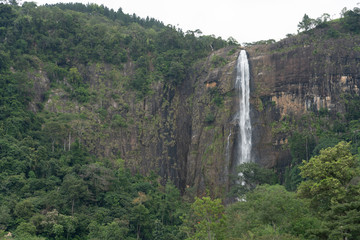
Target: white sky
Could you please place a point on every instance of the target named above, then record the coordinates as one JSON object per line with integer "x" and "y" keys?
{"x": 246, "y": 21}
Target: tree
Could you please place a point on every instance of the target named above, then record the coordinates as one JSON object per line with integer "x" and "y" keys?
{"x": 5, "y": 217}
{"x": 7, "y": 16}
{"x": 328, "y": 176}
{"x": 74, "y": 190}
{"x": 140, "y": 218}
{"x": 57, "y": 225}
{"x": 250, "y": 175}
{"x": 270, "y": 212}
{"x": 206, "y": 220}
{"x": 24, "y": 209}
{"x": 25, "y": 230}
{"x": 55, "y": 131}
{"x": 343, "y": 11}
{"x": 232, "y": 41}
{"x": 322, "y": 21}
{"x": 342, "y": 221}
{"x": 306, "y": 24}
{"x": 351, "y": 20}
{"x": 4, "y": 59}
{"x": 75, "y": 77}
{"x": 115, "y": 230}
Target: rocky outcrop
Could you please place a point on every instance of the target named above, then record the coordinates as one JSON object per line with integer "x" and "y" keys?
{"x": 294, "y": 77}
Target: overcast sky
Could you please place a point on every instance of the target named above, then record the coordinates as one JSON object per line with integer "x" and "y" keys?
{"x": 246, "y": 21}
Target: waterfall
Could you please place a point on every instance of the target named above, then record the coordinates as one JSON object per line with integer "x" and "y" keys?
{"x": 243, "y": 115}
{"x": 227, "y": 154}
{"x": 228, "y": 148}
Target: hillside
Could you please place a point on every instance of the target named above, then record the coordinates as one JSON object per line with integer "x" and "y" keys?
{"x": 111, "y": 126}
{"x": 103, "y": 78}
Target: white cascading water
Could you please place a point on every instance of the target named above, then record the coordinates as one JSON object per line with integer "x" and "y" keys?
{"x": 227, "y": 154}
{"x": 242, "y": 85}
{"x": 228, "y": 147}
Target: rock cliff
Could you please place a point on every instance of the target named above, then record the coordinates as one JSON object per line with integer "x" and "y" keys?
{"x": 186, "y": 132}
{"x": 296, "y": 76}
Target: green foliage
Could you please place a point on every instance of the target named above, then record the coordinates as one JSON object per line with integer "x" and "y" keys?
{"x": 332, "y": 185}
{"x": 141, "y": 83}
{"x": 261, "y": 42}
{"x": 292, "y": 178}
{"x": 65, "y": 37}
{"x": 232, "y": 51}
{"x": 115, "y": 230}
{"x": 301, "y": 146}
{"x": 328, "y": 176}
{"x": 24, "y": 209}
{"x": 325, "y": 142}
{"x": 206, "y": 219}
{"x": 217, "y": 61}
{"x": 308, "y": 23}
{"x": 270, "y": 211}
{"x": 216, "y": 96}
{"x": 7, "y": 15}
{"x": 81, "y": 94}
{"x": 25, "y": 230}
{"x": 351, "y": 20}
{"x": 118, "y": 121}
{"x": 332, "y": 33}
{"x": 58, "y": 192}
{"x": 352, "y": 104}
{"x": 342, "y": 221}
{"x": 80, "y": 91}
{"x": 250, "y": 175}
{"x": 322, "y": 22}
{"x": 209, "y": 118}
{"x": 74, "y": 77}
{"x": 349, "y": 23}
{"x": 55, "y": 73}
{"x": 4, "y": 61}
{"x": 320, "y": 130}
{"x": 232, "y": 41}
{"x": 5, "y": 217}
{"x": 323, "y": 112}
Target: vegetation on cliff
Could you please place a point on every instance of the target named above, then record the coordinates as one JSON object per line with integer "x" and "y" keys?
{"x": 66, "y": 71}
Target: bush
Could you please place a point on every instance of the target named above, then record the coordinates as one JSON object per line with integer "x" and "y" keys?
{"x": 118, "y": 121}
{"x": 332, "y": 33}
{"x": 209, "y": 118}
{"x": 217, "y": 61}
{"x": 81, "y": 94}
{"x": 216, "y": 96}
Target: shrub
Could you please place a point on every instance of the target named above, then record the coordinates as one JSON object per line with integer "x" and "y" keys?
{"x": 209, "y": 118}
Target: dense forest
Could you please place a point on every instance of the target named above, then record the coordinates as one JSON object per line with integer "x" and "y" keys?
{"x": 52, "y": 186}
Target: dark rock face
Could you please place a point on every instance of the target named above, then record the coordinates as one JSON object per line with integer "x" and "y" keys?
{"x": 208, "y": 163}
{"x": 179, "y": 132}
{"x": 294, "y": 77}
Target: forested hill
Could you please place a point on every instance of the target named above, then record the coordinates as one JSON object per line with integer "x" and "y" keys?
{"x": 112, "y": 126}
{"x": 69, "y": 66}
{"x": 68, "y": 73}
{"x": 68, "y": 34}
